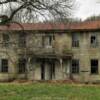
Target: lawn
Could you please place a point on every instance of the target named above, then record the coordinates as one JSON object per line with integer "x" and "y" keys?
{"x": 48, "y": 91}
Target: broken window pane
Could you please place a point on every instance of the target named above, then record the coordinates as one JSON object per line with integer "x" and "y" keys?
{"x": 75, "y": 66}
{"x": 93, "y": 41}
{"x": 94, "y": 66}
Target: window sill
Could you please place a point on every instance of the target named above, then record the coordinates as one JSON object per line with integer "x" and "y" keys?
{"x": 75, "y": 46}
{"x": 94, "y": 46}
{"x": 75, "y": 73}
{"x": 4, "y": 72}
{"x": 48, "y": 47}
{"x": 21, "y": 73}
{"x": 94, "y": 74}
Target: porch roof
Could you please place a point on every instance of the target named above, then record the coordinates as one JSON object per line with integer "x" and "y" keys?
{"x": 53, "y": 56}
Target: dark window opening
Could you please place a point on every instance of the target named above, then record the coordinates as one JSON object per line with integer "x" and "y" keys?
{"x": 4, "y": 65}
{"x": 50, "y": 40}
{"x": 43, "y": 41}
{"x": 6, "y": 39}
{"x": 22, "y": 40}
{"x": 22, "y": 65}
{"x": 75, "y": 40}
{"x": 94, "y": 66}
{"x": 75, "y": 66}
{"x": 43, "y": 70}
{"x": 93, "y": 41}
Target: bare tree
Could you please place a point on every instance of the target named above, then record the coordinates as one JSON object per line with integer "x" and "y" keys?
{"x": 22, "y": 16}
{"x": 93, "y": 18}
{"x": 37, "y": 9}
{"x": 65, "y": 20}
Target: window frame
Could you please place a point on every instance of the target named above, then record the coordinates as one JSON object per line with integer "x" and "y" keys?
{"x": 95, "y": 43}
{"x": 22, "y": 40}
{"x": 76, "y": 68}
{"x": 4, "y": 67}
{"x": 75, "y": 40}
{"x": 21, "y": 65}
{"x": 50, "y": 38}
{"x": 94, "y": 67}
{"x": 5, "y": 40}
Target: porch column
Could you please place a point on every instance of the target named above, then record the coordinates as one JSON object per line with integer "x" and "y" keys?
{"x": 27, "y": 73}
{"x": 61, "y": 65}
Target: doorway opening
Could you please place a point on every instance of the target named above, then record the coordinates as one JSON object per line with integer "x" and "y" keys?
{"x": 43, "y": 71}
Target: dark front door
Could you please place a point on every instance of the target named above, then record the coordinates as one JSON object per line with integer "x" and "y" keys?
{"x": 52, "y": 70}
{"x": 42, "y": 71}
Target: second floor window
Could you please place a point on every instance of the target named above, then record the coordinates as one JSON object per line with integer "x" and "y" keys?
{"x": 93, "y": 41}
{"x": 22, "y": 40}
{"x": 6, "y": 40}
{"x": 47, "y": 40}
{"x": 75, "y": 40}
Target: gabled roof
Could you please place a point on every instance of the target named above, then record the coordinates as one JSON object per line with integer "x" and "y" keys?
{"x": 89, "y": 25}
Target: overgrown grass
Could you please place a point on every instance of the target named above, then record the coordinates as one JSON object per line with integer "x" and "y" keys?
{"x": 47, "y": 91}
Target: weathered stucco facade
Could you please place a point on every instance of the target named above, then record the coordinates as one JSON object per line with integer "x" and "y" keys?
{"x": 46, "y": 52}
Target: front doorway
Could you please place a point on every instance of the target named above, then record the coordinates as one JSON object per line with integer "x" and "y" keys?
{"x": 43, "y": 70}
{"x": 47, "y": 69}
{"x": 52, "y": 70}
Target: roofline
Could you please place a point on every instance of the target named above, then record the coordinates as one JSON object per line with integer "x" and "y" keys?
{"x": 59, "y": 27}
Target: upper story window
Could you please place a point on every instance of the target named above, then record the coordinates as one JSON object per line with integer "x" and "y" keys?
{"x": 75, "y": 40}
{"x": 47, "y": 41}
{"x": 75, "y": 66}
{"x": 22, "y": 40}
{"x": 93, "y": 41}
{"x": 94, "y": 66}
{"x": 6, "y": 39}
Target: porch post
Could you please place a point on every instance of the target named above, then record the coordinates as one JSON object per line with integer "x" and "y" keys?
{"x": 70, "y": 72}
{"x": 61, "y": 65}
{"x": 28, "y": 67}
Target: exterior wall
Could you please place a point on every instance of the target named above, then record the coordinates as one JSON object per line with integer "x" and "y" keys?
{"x": 62, "y": 70}
{"x": 62, "y": 41}
{"x": 10, "y": 54}
{"x": 85, "y": 53}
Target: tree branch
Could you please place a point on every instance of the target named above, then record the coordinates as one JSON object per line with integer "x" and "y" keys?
{"x": 7, "y": 1}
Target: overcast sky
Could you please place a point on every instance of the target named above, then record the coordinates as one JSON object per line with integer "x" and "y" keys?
{"x": 86, "y": 8}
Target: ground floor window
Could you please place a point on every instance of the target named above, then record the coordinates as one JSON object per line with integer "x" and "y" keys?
{"x": 75, "y": 66}
{"x": 4, "y": 65}
{"x": 94, "y": 66}
{"x": 22, "y": 66}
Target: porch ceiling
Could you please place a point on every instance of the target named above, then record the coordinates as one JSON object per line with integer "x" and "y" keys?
{"x": 53, "y": 56}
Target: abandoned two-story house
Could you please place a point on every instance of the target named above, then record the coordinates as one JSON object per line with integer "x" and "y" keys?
{"x": 45, "y": 51}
